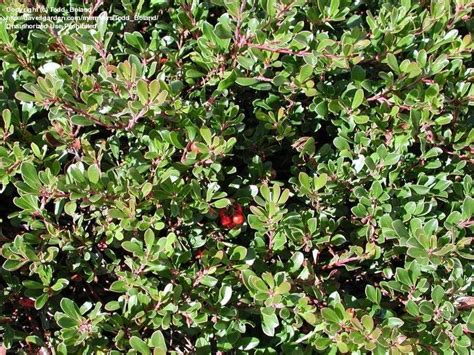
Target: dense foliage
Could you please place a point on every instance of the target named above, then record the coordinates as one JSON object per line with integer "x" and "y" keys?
{"x": 272, "y": 176}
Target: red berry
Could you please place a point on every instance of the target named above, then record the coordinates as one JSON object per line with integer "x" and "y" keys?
{"x": 226, "y": 221}
{"x": 232, "y": 216}
{"x": 238, "y": 219}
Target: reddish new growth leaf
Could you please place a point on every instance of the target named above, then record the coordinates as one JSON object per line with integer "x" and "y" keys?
{"x": 194, "y": 148}
{"x": 26, "y": 302}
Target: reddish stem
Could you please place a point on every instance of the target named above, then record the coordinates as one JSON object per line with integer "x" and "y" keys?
{"x": 342, "y": 262}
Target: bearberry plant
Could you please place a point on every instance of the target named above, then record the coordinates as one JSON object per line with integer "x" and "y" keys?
{"x": 237, "y": 176}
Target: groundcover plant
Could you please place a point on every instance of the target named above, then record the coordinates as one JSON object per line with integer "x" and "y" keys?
{"x": 236, "y": 176}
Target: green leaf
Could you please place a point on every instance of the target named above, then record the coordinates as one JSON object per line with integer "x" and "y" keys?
{"x": 7, "y": 116}
{"x": 358, "y": 73}
{"x": 142, "y": 91}
{"x": 116, "y": 213}
{"x": 194, "y": 74}
{"x": 206, "y": 135}
{"x": 391, "y": 159}
{"x": 420, "y": 189}
{"x": 341, "y": 143}
{"x": 81, "y": 121}
{"x": 468, "y": 207}
{"x": 270, "y": 7}
{"x": 223, "y": 31}
{"x": 135, "y": 39}
{"x": 158, "y": 341}
{"x": 320, "y": 181}
{"x": 269, "y": 321}
{"x": 334, "y": 8}
{"x": 373, "y": 294}
{"x": 22, "y": 96}
{"x": 283, "y": 288}
{"x": 34, "y": 339}
{"x": 322, "y": 108}
{"x": 209, "y": 281}
{"x": 246, "y": 81}
{"x": 305, "y": 72}
{"x": 305, "y": 181}
{"x": 222, "y": 203}
{"x": 67, "y": 322}
{"x": 225, "y": 293}
{"x": 160, "y": 98}
{"x": 403, "y": 276}
{"x": 258, "y": 284}
{"x": 400, "y": 229}
{"x": 439, "y": 64}
{"x": 394, "y": 322}
{"x": 139, "y": 345}
{"x": 12, "y": 265}
{"x": 41, "y": 301}
{"x": 149, "y": 238}
{"x": 70, "y": 208}
{"x": 34, "y": 285}
{"x": 295, "y": 262}
{"x": 417, "y": 253}
{"x": 247, "y": 343}
{"x": 392, "y": 63}
{"x": 358, "y": 98}
{"x": 30, "y": 176}
{"x": 70, "y": 308}
{"x": 133, "y": 247}
{"x": 470, "y": 321}
{"x": 367, "y": 322}
{"x": 444, "y": 119}
{"x": 361, "y": 119}
{"x": 27, "y": 202}
{"x": 228, "y": 80}
{"x": 330, "y": 315}
{"x": 437, "y": 295}
{"x": 59, "y": 285}
{"x": 119, "y": 286}
{"x": 93, "y": 173}
{"x": 413, "y": 70}
{"x": 102, "y": 23}
{"x": 238, "y": 253}
{"x": 412, "y": 308}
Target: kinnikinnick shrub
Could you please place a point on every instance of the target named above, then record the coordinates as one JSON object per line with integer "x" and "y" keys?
{"x": 236, "y": 176}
